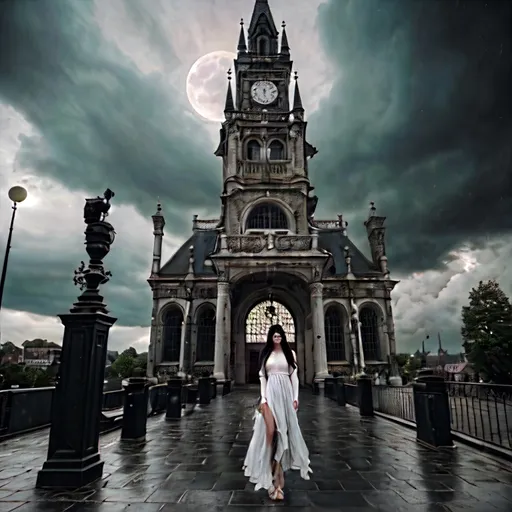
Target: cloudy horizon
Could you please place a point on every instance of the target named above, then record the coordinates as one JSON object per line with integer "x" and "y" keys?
{"x": 407, "y": 102}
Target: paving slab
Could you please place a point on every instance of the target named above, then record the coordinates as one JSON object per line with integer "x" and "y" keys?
{"x": 195, "y": 464}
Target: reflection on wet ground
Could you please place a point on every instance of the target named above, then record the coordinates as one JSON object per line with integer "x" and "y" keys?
{"x": 195, "y": 464}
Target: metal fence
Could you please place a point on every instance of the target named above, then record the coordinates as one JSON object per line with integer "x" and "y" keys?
{"x": 395, "y": 401}
{"x": 482, "y": 411}
{"x": 25, "y": 410}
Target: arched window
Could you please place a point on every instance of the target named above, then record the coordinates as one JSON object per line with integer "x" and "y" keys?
{"x": 276, "y": 150}
{"x": 205, "y": 348}
{"x": 253, "y": 150}
{"x": 265, "y": 314}
{"x": 267, "y": 216}
{"x": 370, "y": 333}
{"x": 334, "y": 334}
{"x": 262, "y": 46}
{"x": 173, "y": 323}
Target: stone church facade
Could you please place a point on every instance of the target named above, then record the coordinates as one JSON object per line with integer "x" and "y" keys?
{"x": 267, "y": 259}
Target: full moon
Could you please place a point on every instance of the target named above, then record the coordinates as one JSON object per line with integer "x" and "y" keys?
{"x": 207, "y": 84}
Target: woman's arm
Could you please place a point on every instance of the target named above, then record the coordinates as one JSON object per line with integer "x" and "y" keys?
{"x": 263, "y": 386}
{"x": 294, "y": 377}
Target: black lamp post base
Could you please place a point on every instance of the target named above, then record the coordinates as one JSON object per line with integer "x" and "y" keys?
{"x": 69, "y": 474}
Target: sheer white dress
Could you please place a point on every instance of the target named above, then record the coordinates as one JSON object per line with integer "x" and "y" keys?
{"x": 279, "y": 391}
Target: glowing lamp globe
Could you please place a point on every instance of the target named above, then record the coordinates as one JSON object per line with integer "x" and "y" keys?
{"x": 17, "y": 194}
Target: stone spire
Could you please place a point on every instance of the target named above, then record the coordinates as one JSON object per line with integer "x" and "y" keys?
{"x": 263, "y": 34}
{"x": 298, "y": 109}
{"x": 285, "y": 47}
{"x": 376, "y": 236}
{"x": 230, "y": 104}
{"x": 242, "y": 45}
{"x": 158, "y": 232}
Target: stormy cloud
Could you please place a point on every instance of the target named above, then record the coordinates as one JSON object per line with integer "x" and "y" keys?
{"x": 418, "y": 120}
{"x": 408, "y": 102}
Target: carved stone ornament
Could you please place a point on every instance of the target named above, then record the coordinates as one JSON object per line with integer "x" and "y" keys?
{"x": 295, "y": 243}
{"x": 204, "y": 293}
{"x": 336, "y": 291}
{"x": 316, "y": 289}
{"x": 171, "y": 293}
{"x": 249, "y": 244}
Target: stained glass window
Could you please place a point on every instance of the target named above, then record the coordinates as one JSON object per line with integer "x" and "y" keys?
{"x": 370, "y": 334}
{"x": 205, "y": 349}
{"x": 264, "y": 315}
{"x": 173, "y": 323}
{"x": 267, "y": 216}
{"x": 334, "y": 335}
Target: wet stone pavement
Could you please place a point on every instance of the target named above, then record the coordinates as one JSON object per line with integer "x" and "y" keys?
{"x": 195, "y": 464}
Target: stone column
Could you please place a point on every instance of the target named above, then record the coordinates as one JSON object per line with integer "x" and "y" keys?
{"x": 317, "y": 316}
{"x": 183, "y": 347}
{"x": 220, "y": 330}
{"x": 152, "y": 356}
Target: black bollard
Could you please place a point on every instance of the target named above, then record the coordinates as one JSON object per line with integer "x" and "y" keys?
{"x": 329, "y": 387}
{"x": 364, "y": 388}
{"x": 316, "y": 388}
{"x": 226, "y": 387}
{"x": 213, "y": 383}
{"x": 174, "y": 390}
{"x": 135, "y": 411}
{"x": 205, "y": 388}
{"x": 340, "y": 391}
{"x": 432, "y": 411}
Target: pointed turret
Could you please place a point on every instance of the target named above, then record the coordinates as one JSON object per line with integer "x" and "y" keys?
{"x": 230, "y": 104}
{"x": 242, "y": 45}
{"x": 298, "y": 109}
{"x": 158, "y": 233}
{"x": 263, "y": 34}
{"x": 285, "y": 47}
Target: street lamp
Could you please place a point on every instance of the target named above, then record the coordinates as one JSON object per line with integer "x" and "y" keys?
{"x": 16, "y": 195}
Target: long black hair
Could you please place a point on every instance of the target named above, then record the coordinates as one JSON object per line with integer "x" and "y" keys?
{"x": 269, "y": 347}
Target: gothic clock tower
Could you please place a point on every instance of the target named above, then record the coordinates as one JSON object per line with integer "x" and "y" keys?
{"x": 263, "y": 144}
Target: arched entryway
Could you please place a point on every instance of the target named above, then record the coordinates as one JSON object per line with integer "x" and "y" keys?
{"x": 257, "y": 324}
{"x": 251, "y": 296}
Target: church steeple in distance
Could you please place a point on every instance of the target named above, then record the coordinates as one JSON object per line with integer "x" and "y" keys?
{"x": 263, "y": 34}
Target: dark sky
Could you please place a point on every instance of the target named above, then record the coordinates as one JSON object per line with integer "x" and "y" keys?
{"x": 418, "y": 120}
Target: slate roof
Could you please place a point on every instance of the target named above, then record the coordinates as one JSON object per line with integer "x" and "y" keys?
{"x": 204, "y": 245}
{"x": 335, "y": 242}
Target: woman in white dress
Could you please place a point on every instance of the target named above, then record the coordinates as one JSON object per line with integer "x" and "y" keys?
{"x": 277, "y": 444}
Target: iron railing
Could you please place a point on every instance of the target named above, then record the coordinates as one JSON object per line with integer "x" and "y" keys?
{"x": 482, "y": 411}
{"x": 394, "y": 401}
{"x": 26, "y": 410}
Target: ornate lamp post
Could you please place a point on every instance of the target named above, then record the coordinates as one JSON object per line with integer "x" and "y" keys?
{"x": 73, "y": 452}
{"x": 16, "y": 195}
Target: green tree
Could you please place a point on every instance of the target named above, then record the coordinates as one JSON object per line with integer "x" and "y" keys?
{"x": 487, "y": 332}
{"x": 124, "y": 365}
{"x": 131, "y": 352}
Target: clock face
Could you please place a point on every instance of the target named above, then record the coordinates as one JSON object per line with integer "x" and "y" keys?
{"x": 264, "y": 92}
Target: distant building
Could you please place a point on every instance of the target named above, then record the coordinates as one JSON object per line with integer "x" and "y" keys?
{"x": 11, "y": 354}
{"x": 454, "y": 366}
{"x": 40, "y": 353}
